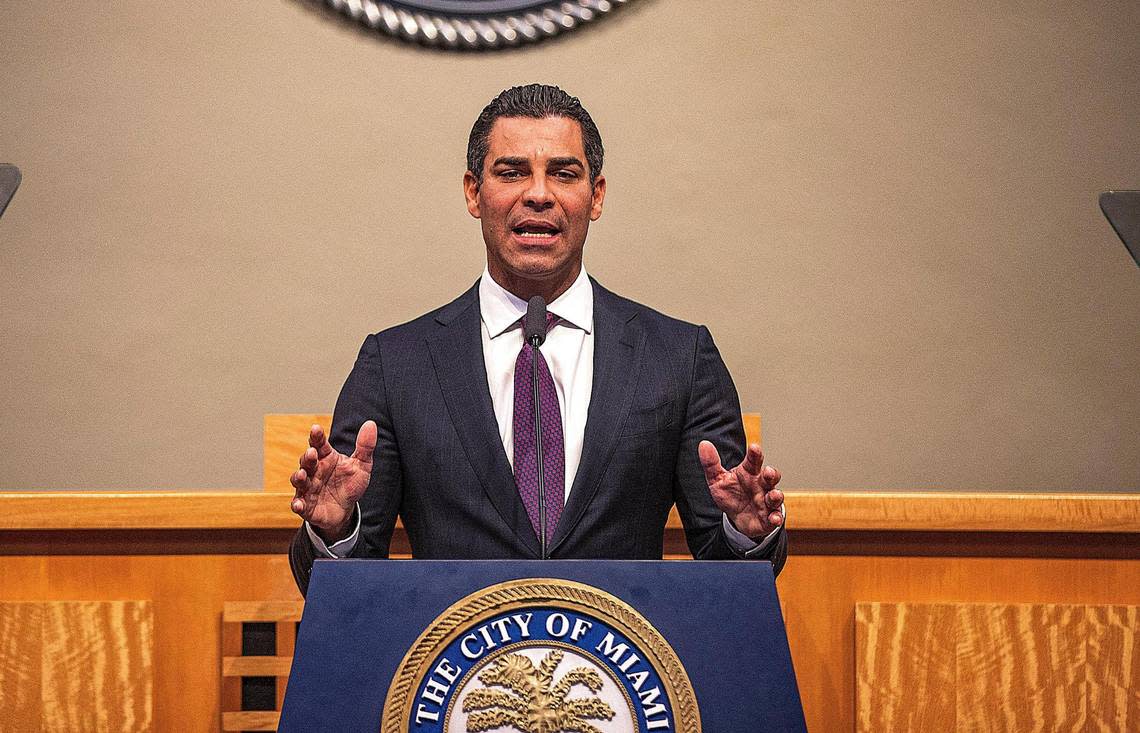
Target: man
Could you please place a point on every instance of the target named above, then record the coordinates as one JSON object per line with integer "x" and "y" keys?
{"x": 435, "y": 422}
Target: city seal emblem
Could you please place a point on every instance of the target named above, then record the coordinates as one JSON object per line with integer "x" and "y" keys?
{"x": 540, "y": 656}
{"x": 473, "y": 24}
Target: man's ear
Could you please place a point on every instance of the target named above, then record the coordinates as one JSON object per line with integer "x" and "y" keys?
{"x": 471, "y": 193}
{"x": 599, "y": 197}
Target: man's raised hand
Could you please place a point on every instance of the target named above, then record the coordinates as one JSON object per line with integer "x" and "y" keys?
{"x": 747, "y": 494}
{"x": 328, "y": 484}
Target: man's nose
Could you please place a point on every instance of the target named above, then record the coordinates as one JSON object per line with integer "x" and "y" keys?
{"x": 538, "y": 195}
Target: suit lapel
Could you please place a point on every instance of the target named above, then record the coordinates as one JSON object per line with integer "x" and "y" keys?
{"x": 457, "y": 354}
{"x": 617, "y": 362}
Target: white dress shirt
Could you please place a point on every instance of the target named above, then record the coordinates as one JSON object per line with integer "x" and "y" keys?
{"x": 569, "y": 352}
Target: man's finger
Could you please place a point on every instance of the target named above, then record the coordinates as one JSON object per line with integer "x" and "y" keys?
{"x": 365, "y": 442}
{"x": 309, "y": 461}
{"x": 753, "y": 459}
{"x": 710, "y": 461}
{"x": 773, "y": 499}
{"x": 770, "y": 476}
{"x": 318, "y": 440}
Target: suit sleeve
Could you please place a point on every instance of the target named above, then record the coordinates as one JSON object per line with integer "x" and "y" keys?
{"x": 713, "y": 414}
{"x": 363, "y": 397}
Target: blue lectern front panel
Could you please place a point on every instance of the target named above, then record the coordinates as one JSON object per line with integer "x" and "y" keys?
{"x": 363, "y": 617}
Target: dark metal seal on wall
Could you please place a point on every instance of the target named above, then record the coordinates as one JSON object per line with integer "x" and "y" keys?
{"x": 473, "y": 24}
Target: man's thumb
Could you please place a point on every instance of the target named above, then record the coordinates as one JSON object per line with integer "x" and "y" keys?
{"x": 710, "y": 460}
{"x": 365, "y": 442}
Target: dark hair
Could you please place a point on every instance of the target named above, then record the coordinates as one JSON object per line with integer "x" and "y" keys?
{"x": 537, "y": 101}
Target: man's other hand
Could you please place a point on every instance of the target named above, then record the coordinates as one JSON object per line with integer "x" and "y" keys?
{"x": 747, "y": 494}
{"x": 329, "y": 484}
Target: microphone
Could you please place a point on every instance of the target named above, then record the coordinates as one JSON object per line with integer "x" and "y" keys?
{"x": 534, "y": 332}
{"x": 9, "y": 182}
{"x": 534, "y": 327}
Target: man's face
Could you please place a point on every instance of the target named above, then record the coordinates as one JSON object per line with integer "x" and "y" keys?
{"x": 535, "y": 204}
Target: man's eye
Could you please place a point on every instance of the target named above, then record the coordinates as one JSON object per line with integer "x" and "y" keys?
{"x": 511, "y": 175}
{"x": 565, "y": 175}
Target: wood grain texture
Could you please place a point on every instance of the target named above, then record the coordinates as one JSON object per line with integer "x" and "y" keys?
{"x": 752, "y": 428}
{"x": 1021, "y": 667}
{"x": 818, "y": 594}
{"x": 254, "y": 666}
{"x": 98, "y": 666}
{"x": 99, "y": 510}
{"x": 909, "y": 543}
{"x": 187, "y": 595}
{"x": 285, "y": 614}
{"x": 77, "y": 666}
{"x": 254, "y": 720}
{"x": 151, "y": 541}
{"x": 905, "y": 679}
{"x": 995, "y": 667}
{"x": 262, "y": 611}
{"x": 807, "y": 510}
{"x": 821, "y": 593}
{"x": 285, "y": 437}
{"x": 191, "y": 573}
{"x": 21, "y": 706}
{"x": 965, "y": 511}
{"x": 1114, "y": 648}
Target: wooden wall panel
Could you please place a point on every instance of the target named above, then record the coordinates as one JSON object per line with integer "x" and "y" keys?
{"x": 820, "y": 593}
{"x": 76, "y": 666}
{"x": 21, "y": 706}
{"x": 113, "y": 547}
{"x": 98, "y": 666}
{"x": 905, "y": 678}
{"x": 995, "y": 667}
{"x": 186, "y": 594}
{"x": 1020, "y": 667}
{"x": 1114, "y": 648}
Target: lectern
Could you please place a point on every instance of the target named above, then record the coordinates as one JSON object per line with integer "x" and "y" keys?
{"x": 541, "y": 647}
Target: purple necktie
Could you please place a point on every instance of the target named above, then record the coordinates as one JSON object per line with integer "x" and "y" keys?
{"x": 553, "y": 450}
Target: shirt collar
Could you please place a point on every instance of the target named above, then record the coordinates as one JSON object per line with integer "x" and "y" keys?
{"x": 500, "y": 309}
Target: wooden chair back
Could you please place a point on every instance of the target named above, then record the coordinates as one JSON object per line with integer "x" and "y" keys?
{"x": 286, "y": 437}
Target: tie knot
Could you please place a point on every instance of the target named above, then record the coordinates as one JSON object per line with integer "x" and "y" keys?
{"x": 551, "y": 319}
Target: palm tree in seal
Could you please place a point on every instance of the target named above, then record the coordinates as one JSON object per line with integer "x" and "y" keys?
{"x": 532, "y": 702}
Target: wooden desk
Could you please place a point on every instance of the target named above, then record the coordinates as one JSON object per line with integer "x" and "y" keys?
{"x": 187, "y": 553}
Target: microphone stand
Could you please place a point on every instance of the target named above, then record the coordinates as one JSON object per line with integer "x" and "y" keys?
{"x": 535, "y": 335}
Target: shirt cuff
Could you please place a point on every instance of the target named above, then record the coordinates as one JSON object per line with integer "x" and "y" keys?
{"x": 744, "y": 544}
{"x": 337, "y": 549}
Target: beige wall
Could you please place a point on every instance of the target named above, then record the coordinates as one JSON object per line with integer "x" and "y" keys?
{"x": 885, "y": 212}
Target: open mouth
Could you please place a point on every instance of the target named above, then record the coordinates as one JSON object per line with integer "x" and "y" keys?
{"x": 536, "y": 230}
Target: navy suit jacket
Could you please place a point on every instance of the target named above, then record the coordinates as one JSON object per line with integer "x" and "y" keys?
{"x": 659, "y": 388}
